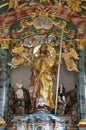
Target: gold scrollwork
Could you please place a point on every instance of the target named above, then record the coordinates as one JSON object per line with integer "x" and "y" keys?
{"x": 5, "y": 43}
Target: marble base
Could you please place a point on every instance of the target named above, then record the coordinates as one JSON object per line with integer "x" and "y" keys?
{"x": 40, "y": 120}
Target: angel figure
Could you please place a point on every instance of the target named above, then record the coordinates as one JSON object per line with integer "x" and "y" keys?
{"x": 22, "y": 55}
{"x": 71, "y": 48}
{"x": 73, "y": 53}
{"x": 68, "y": 58}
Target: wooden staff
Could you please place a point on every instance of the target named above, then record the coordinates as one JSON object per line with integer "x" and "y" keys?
{"x": 58, "y": 74}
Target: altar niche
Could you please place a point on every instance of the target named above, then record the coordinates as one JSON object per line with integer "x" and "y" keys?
{"x": 44, "y": 51}
{"x": 24, "y": 73}
{"x": 44, "y": 124}
{"x": 29, "y": 35}
{"x": 47, "y": 51}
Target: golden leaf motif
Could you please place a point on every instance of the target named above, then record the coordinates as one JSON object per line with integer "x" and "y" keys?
{"x": 81, "y": 43}
{"x": 75, "y": 5}
{"x": 5, "y": 43}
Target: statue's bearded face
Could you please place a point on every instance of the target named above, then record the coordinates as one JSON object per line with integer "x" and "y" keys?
{"x": 43, "y": 49}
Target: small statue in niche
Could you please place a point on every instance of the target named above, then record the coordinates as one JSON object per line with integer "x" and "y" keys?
{"x": 22, "y": 102}
{"x": 61, "y": 93}
{"x": 11, "y": 102}
{"x": 19, "y": 92}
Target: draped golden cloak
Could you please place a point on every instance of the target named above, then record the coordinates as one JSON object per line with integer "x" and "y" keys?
{"x": 44, "y": 78}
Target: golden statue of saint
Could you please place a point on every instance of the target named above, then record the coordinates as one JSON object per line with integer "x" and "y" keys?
{"x": 42, "y": 75}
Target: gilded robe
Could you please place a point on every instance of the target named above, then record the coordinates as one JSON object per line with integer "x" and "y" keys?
{"x": 44, "y": 67}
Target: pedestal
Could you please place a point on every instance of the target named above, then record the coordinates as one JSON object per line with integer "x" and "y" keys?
{"x": 40, "y": 120}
